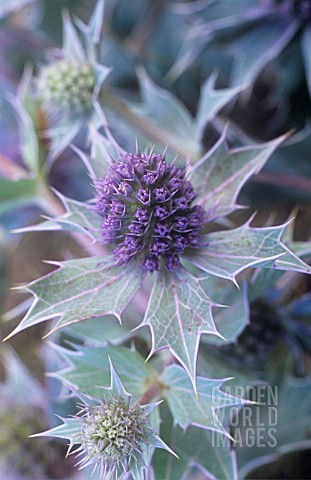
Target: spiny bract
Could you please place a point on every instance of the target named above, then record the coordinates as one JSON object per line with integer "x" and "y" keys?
{"x": 147, "y": 208}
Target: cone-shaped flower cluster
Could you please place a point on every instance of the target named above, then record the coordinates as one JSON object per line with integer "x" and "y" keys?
{"x": 67, "y": 86}
{"x": 148, "y": 213}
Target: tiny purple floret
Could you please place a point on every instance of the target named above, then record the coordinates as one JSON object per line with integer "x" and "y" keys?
{"x": 146, "y": 205}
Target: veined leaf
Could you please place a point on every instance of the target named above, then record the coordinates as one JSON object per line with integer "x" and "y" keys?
{"x": 221, "y": 173}
{"x": 179, "y": 311}
{"x": 79, "y": 218}
{"x": 202, "y": 412}
{"x": 81, "y": 289}
{"x": 14, "y": 193}
{"x": 230, "y": 252}
{"x": 89, "y": 368}
{"x": 197, "y": 448}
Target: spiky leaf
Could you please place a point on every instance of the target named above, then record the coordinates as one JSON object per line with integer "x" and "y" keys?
{"x": 230, "y": 321}
{"x": 89, "y": 367}
{"x": 196, "y": 448}
{"x": 179, "y": 311}
{"x": 230, "y": 252}
{"x": 70, "y": 430}
{"x": 221, "y": 173}
{"x": 187, "y": 409}
{"x": 81, "y": 289}
{"x": 79, "y": 217}
{"x": 211, "y": 102}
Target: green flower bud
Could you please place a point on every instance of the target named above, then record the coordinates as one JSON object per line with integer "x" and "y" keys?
{"x": 67, "y": 86}
{"x": 114, "y": 434}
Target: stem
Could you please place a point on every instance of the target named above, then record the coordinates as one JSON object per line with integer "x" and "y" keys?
{"x": 146, "y": 127}
{"x": 152, "y": 392}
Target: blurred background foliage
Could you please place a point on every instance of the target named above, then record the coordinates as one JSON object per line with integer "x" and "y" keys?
{"x": 262, "y": 44}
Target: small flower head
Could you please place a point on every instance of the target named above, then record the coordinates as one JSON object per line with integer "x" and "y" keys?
{"x": 67, "y": 86}
{"x": 147, "y": 206}
{"x": 114, "y": 434}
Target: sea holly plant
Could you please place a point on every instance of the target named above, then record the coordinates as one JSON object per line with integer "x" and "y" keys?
{"x": 151, "y": 293}
{"x": 159, "y": 228}
{"x": 113, "y": 432}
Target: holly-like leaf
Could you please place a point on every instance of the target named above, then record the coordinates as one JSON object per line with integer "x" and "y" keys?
{"x": 179, "y": 311}
{"x": 81, "y": 289}
{"x": 196, "y": 448}
{"x": 221, "y": 173}
{"x": 70, "y": 430}
{"x": 230, "y": 252}
{"x": 211, "y": 102}
{"x": 80, "y": 217}
{"x": 230, "y": 321}
{"x": 89, "y": 367}
{"x": 14, "y": 193}
{"x": 202, "y": 412}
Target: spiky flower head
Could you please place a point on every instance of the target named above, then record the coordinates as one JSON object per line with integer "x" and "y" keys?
{"x": 114, "y": 435}
{"x": 113, "y": 432}
{"x": 147, "y": 206}
{"x": 67, "y": 86}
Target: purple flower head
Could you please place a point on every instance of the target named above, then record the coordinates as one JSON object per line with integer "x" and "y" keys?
{"x": 147, "y": 211}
